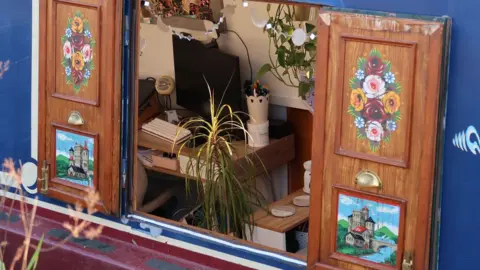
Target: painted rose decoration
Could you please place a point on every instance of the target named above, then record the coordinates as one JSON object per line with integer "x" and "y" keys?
{"x": 374, "y": 100}
{"x": 78, "y": 45}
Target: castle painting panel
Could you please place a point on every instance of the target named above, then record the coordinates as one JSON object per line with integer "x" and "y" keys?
{"x": 74, "y": 158}
{"x": 368, "y": 229}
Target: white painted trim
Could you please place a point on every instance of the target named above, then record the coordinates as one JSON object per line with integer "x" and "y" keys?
{"x": 29, "y": 177}
{"x": 167, "y": 240}
{"x": 219, "y": 241}
{"x": 34, "y": 79}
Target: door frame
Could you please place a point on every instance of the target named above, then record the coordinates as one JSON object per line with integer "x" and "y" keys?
{"x": 319, "y": 125}
{"x": 129, "y": 103}
{"x": 439, "y": 157}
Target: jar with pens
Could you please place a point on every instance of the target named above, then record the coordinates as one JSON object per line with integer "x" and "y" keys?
{"x": 258, "y": 97}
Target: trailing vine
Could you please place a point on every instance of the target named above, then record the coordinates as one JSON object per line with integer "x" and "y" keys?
{"x": 291, "y": 64}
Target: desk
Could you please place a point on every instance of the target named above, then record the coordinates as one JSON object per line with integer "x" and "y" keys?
{"x": 279, "y": 152}
{"x": 270, "y": 230}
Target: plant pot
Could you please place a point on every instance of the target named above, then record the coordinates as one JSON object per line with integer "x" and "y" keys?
{"x": 258, "y": 134}
{"x": 258, "y": 108}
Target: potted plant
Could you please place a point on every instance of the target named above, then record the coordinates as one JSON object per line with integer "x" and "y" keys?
{"x": 294, "y": 44}
{"x": 228, "y": 201}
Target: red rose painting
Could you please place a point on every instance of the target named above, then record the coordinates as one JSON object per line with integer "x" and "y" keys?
{"x": 374, "y": 100}
{"x": 78, "y": 45}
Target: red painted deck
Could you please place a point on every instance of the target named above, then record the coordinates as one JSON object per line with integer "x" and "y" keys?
{"x": 113, "y": 250}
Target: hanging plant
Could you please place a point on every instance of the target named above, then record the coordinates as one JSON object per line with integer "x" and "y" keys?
{"x": 294, "y": 44}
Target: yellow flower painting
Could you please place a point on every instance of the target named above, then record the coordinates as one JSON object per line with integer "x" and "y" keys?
{"x": 77, "y": 61}
{"x": 78, "y": 46}
{"x": 77, "y": 25}
{"x": 391, "y": 101}
{"x": 374, "y": 99}
{"x": 358, "y": 99}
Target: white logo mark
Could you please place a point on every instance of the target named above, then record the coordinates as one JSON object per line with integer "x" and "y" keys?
{"x": 465, "y": 141}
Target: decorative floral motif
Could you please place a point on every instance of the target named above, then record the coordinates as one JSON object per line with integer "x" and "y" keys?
{"x": 360, "y": 74}
{"x": 358, "y": 99}
{"x": 78, "y": 45}
{"x": 391, "y": 101}
{"x": 374, "y": 131}
{"x": 374, "y": 86}
{"x": 374, "y": 100}
{"x": 359, "y": 122}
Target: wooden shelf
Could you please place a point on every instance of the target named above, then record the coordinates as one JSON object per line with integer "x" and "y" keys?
{"x": 264, "y": 219}
{"x": 274, "y": 155}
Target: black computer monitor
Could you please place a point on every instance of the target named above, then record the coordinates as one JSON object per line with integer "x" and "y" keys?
{"x": 193, "y": 60}
{"x": 146, "y": 88}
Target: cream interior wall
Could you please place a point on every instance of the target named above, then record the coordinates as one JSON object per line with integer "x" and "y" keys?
{"x": 157, "y": 57}
{"x": 257, "y": 42}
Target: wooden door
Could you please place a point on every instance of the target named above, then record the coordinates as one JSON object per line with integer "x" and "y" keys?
{"x": 375, "y": 141}
{"x": 80, "y": 67}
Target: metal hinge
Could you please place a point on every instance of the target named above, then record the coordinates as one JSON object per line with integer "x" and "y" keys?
{"x": 45, "y": 177}
{"x": 407, "y": 263}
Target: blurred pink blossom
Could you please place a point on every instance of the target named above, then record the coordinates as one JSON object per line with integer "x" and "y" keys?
{"x": 4, "y": 67}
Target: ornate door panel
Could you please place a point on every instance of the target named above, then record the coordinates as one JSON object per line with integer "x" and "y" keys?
{"x": 378, "y": 95}
{"x": 79, "y": 97}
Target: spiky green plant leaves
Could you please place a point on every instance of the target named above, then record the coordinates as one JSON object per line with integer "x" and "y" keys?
{"x": 227, "y": 187}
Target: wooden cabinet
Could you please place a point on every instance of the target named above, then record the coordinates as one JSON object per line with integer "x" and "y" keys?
{"x": 376, "y": 121}
{"x": 79, "y": 110}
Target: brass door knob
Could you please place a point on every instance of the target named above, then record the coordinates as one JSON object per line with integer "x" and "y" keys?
{"x": 367, "y": 178}
{"x": 75, "y": 118}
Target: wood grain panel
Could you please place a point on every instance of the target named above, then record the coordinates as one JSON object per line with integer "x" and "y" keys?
{"x": 89, "y": 33}
{"x": 404, "y": 164}
{"x": 117, "y": 107}
{"x": 347, "y": 142}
